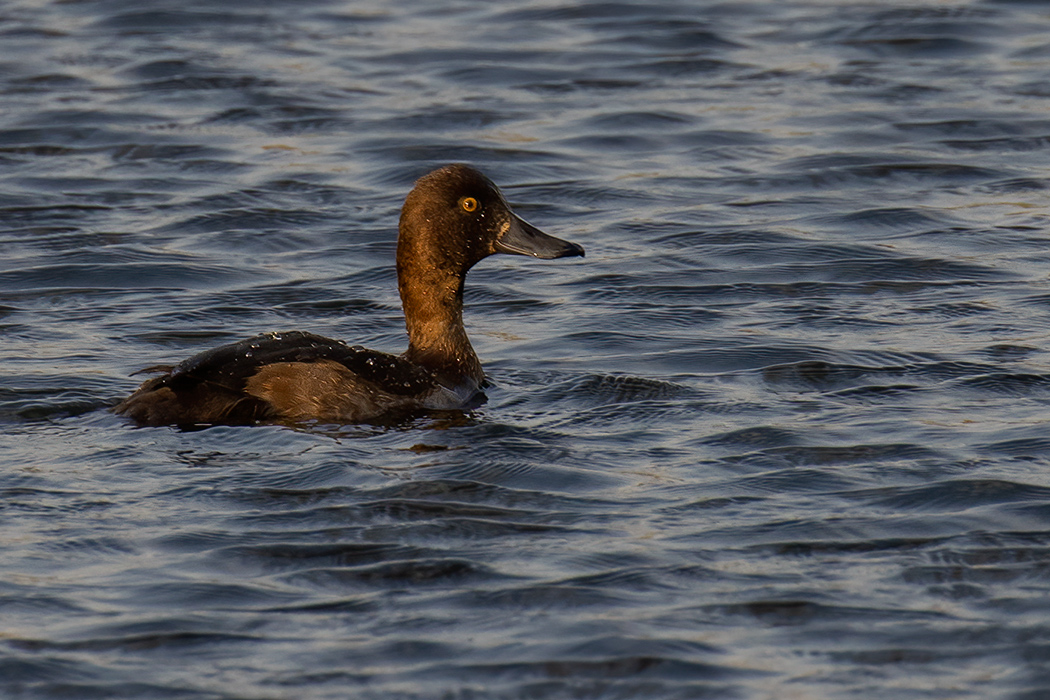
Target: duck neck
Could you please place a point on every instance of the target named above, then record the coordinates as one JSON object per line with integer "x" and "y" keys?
{"x": 433, "y": 304}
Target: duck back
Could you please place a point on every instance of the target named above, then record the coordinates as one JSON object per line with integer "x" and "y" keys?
{"x": 290, "y": 376}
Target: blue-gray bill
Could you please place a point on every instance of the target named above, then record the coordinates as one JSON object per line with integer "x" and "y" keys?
{"x": 522, "y": 238}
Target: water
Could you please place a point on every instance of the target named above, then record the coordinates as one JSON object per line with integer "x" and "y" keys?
{"x": 782, "y": 434}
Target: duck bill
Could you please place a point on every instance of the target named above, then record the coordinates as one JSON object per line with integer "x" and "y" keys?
{"x": 522, "y": 238}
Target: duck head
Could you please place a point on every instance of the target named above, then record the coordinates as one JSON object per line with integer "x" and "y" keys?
{"x": 455, "y": 217}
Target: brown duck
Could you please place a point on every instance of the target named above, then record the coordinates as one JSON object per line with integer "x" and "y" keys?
{"x": 452, "y": 218}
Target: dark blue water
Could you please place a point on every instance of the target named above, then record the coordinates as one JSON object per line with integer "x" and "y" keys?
{"x": 783, "y": 433}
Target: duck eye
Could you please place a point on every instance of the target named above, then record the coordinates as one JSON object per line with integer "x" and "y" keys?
{"x": 468, "y": 203}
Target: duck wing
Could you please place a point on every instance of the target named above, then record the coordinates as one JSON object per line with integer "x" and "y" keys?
{"x": 231, "y": 366}
{"x": 212, "y": 386}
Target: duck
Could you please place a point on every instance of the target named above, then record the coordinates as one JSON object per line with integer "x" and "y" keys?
{"x": 453, "y": 218}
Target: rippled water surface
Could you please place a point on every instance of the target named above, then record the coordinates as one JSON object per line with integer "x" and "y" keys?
{"x": 783, "y": 433}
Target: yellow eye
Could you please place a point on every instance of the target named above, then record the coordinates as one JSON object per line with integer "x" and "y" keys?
{"x": 468, "y": 203}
